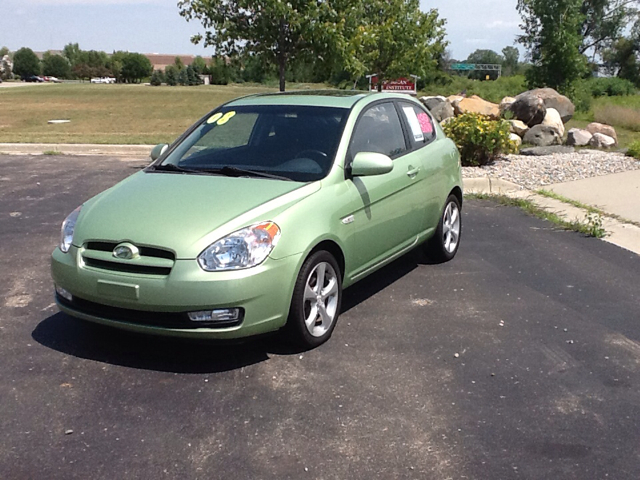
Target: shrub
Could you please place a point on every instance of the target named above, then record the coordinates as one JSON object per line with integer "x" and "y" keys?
{"x": 580, "y": 95}
{"x": 479, "y": 139}
{"x": 492, "y": 90}
{"x": 634, "y": 150}
{"x": 611, "y": 87}
{"x": 157, "y": 78}
{"x": 618, "y": 116}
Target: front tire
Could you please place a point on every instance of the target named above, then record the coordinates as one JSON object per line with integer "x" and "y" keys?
{"x": 316, "y": 301}
{"x": 444, "y": 244}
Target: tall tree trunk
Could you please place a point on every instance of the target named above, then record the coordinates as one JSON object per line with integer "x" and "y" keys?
{"x": 282, "y": 58}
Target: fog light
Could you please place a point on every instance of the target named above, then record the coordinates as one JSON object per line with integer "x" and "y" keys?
{"x": 64, "y": 294}
{"x": 218, "y": 315}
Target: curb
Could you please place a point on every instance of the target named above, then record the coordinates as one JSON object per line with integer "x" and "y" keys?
{"x": 622, "y": 234}
{"x": 141, "y": 151}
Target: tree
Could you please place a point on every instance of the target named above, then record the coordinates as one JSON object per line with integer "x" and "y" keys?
{"x": 183, "y": 77}
{"x": 274, "y": 30}
{"x": 55, "y": 66}
{"x": 82, "y": 71}
{"x": 26, "y": 63}
{"x": 135, "y": 67}
{"x": 157, "y": 78}
{"x": 72, "y": 52}
{"x": 389, "y": 37}
{"x": 171, "y": 75}
{"x": 484, "y": 57}
{"x": 510, "y": 65}
{"x": 621, "y": 59}
{"x": 199, "y": 65}
{"x": 604, "y": 21}
{"x": 3, "y": 51}
{"x": 553, "y": 39}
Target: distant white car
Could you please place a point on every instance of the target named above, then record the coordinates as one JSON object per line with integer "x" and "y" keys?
{"x": 103, "y": 80}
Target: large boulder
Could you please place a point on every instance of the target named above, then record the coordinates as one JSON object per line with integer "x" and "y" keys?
{"x": 553, "y": 99}
{"x": 506, "y": 103}
{"x": 528, "y": 109}
{"x": 439, "y": 107}
{"x": 600, "y": 140}
{"x": 578, "y": 137}
{"x": 515, "y": 139}
{"x": 553, "y": 119}
{"x": 455, "y": 100}
{"x": 475, "y": 104}
{"x": 607, "y": 130}
{"x": 542, "y": 136}
{"x": 442, "y": 111}
{"x": 518, "y": 127}
{"x": 432, "y": 102}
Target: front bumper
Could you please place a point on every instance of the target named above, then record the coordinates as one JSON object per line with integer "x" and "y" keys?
{"x": 158, "y": 304}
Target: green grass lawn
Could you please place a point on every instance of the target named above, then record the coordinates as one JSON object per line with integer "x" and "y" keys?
{"x": 116, "y": 114}
{"x": 139, "y": 114}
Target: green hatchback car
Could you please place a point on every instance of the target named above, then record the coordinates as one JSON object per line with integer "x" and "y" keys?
{"x": 258, "y": 217}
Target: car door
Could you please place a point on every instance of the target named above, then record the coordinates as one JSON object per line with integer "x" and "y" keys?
{"x": 429, "y": 154}
{"x": 388, "y": 214}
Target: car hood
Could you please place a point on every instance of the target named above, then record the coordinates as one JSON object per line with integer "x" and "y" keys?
{"x": 181, "y": 212}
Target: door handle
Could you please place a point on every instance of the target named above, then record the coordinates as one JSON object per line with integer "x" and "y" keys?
{"x": 413, "y": 172}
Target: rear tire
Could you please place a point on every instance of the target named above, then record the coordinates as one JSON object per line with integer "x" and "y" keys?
{"x": 444, "y": 244}
{"x": 316, "y": 301}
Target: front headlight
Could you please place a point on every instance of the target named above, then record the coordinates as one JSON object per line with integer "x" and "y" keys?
{"x": 68, "y": 226}
{"x": 242, "y": 249}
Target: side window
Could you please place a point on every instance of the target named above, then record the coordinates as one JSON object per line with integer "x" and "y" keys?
{"x": 421, "y": 128}
{"x": 379, "y": 130}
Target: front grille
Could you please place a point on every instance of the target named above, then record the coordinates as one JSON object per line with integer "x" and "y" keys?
{"x": 152, "y": 260}
{"x": 141, "y": 317}
{"x": 144, "y": 251}
{"x": 124, "y": 267}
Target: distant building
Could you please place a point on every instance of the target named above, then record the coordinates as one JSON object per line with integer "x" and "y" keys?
{"x": 161, "y": 61}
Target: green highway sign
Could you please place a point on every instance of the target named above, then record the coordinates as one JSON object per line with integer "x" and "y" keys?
{"x": 463, "y": 66}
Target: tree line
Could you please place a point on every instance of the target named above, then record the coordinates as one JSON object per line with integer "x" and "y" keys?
{"x": 341, "y": 41}
{"x": 75, "y": 63}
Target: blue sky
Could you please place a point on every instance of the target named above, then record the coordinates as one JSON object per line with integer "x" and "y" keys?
{"x": 154, "y": 26}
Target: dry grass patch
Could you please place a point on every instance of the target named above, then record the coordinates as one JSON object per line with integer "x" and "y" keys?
{"x": 618, "y": 115}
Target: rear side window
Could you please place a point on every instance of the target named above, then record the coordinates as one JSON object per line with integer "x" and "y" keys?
{"x": 421, "y": 128}
{"x": 379, "y": 130}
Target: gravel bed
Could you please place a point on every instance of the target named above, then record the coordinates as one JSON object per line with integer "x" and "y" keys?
{"x": 536, "y": 172}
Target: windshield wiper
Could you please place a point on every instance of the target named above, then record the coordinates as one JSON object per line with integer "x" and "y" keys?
{"x": 236, "y": 172}
{"x": 170, "y": 167}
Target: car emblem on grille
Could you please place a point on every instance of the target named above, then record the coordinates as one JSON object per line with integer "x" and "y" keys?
{"x": 126, "y": 251}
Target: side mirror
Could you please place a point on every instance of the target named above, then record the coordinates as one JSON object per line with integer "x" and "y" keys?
{"x": 367, "y": 164}
{"x": 158, "y": 150}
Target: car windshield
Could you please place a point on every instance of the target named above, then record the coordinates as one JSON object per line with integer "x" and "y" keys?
{"x": 289, "y": 142}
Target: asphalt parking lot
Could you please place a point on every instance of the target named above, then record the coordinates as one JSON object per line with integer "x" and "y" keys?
{"x": 519, "y": 359}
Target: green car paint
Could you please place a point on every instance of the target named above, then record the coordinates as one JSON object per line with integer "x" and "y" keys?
{"x": 364, "y": 221}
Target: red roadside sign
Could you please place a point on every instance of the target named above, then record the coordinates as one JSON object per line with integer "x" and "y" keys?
{"x": 400, "y": 85}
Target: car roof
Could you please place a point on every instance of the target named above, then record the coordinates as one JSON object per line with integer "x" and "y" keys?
{"x": 319, "y": 98}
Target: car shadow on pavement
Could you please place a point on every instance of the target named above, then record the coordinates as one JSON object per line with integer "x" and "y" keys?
{"x": 82, "y": 339}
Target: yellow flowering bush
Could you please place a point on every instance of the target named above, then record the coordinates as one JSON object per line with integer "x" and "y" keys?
{"x": 479, "y": 139}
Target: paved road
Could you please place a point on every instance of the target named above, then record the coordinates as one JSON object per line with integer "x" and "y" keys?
{"x": 546, "y": 325}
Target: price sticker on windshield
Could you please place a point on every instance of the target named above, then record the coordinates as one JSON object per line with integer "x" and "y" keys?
{"x": 214, "y": 118}
{"x": 226, "y": 117}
